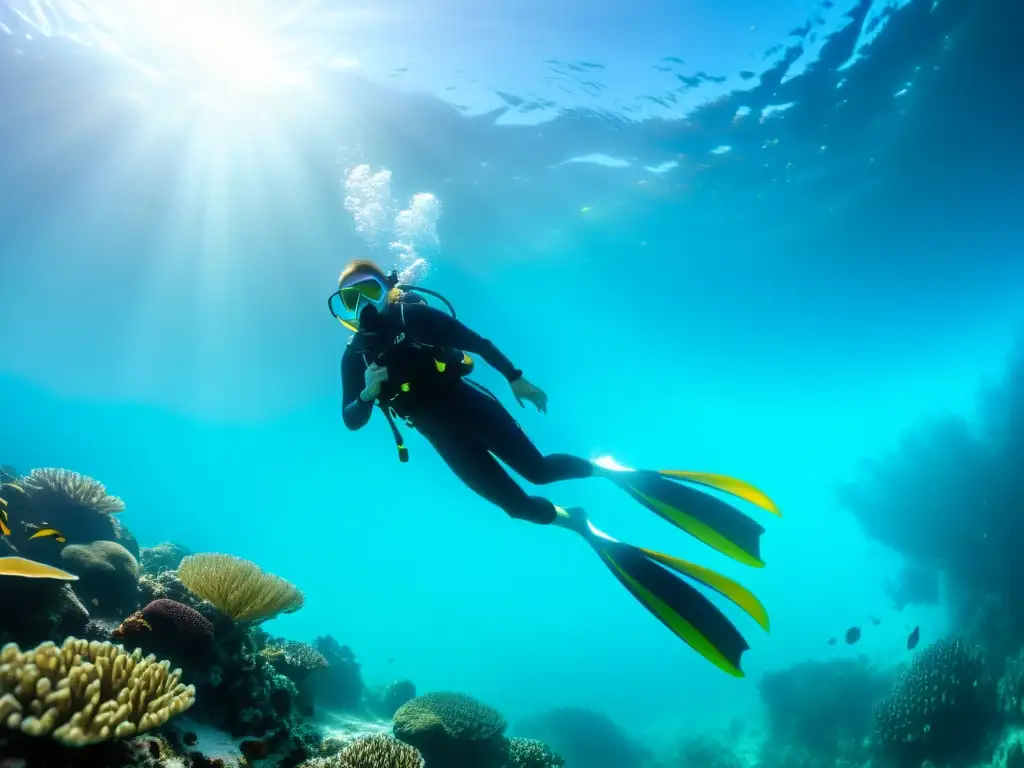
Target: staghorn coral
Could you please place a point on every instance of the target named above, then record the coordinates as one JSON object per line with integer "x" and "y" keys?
{"x": 452, "y": 728}
{"x": 239, "y": 588}
{"x": 940, "y": 709}
{"x": 72, "y": 487}
{"x": 84, "y": 693}
{"x": 531, "y": 753}
{"x": 377, "y": 751}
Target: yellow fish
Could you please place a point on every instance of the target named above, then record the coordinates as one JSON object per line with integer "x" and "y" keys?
{"x": 30, "y": 569}
{"x": 43, "y": 531}
{"x": 3, "y": 518}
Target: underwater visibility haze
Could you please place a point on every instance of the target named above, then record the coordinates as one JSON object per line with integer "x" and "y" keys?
{"x": 776, "y": 244}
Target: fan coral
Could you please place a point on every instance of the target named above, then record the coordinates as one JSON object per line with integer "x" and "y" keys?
{"x": 239, "y": 588}
{"x": 83, "y": 693}
{"x": 452, "y": 728}
{"x": 940, "y": 709}
{"x": 530, "y": 753}
{"x": 73, "y": 488}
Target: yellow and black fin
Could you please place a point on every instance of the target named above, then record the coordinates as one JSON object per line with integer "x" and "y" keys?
{"x": 731, "y": 485}
{"x": 682, "y": 608}
{"x": 703, "y": 516}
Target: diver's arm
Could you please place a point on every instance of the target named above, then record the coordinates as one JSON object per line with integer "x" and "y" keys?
{"x": 355, "y": 411}
{"x": 435, "y": 327}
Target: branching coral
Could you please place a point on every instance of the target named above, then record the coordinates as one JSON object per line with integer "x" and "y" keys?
{"x": 377, "y": 751}
{"x": 940, "y": 709}
{"x": 83, "y": 693}
{"x": 71, "y": 487}
{"x": 239, "y": 588}
{"x": 530, "y": 753}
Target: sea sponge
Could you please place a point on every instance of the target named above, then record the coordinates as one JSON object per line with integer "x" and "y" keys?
{"x": 109, "y": 574}
{"x": 531, "y": 753}
{"x": 239, "y": 588}
{"x": 452, "y": 728}
{"x": 84, "y": 693}
{"x": 73, "y": 488}
{"x": 940, "y": 709}
{"x": 168, "y": 625}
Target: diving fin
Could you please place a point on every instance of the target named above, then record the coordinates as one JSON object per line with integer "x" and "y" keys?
{"x": 705, "y": 517}
{"x": 690, "y": 616}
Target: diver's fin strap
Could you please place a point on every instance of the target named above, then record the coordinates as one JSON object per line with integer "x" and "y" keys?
{"x": 403, "y": 452}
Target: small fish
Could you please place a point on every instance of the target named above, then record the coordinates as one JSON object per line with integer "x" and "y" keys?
{"x": 875, "y": 620}
{"x": 914, "y": 638}
{"x": 190, "y": 739}
{"x": 852, "y": 635}
{"x": 3, "y": 518}
{"x": 831, "y": 641}
{"x": 43, "y": 531}
{"x": 391, "y": 661}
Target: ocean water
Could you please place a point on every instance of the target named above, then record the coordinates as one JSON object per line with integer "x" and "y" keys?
{"x": 757, "y": 239}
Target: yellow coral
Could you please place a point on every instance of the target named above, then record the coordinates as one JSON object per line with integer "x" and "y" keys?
{"x": 86, "y": 692}
{"x": 239, "y": 588}
{"x": 30, "y": 569}
{"x": 76, "y": 488}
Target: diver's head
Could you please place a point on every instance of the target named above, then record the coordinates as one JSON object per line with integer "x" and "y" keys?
{"x": 365, "y": 291}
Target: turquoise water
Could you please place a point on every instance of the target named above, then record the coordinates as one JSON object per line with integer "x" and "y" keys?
{"x": 769, "y": 275}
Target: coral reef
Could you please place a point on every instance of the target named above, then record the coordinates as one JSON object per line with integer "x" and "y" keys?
{"x": 453, "y": 729}
{"x": 377, "y": 751}
{"x": 171, "y": 627}
{"x": 818, "y": 706}
{"x": 940, "y": 710}
{"x": 386, "y": 701}
{"x": 586, "y": 738}
{"x": 108, "y": 575}
{"x": 297, "y": 662}
{"x": 83, "y": 693}
{"x": 239, "y": 588}
{"x": 530, "y": 753}
{"x": 165, "y": 556}
{"x": 341, "y": 686}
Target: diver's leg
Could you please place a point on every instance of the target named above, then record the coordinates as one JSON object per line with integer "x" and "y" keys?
{"x": 480, "y": 471}
{"x": 497, "y": 429}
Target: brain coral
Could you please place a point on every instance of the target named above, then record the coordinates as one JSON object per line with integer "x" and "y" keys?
{"x": 168, "y": 624}
{"x": 940, "y": 709}
{"x": 452, "y": 728}
{"x": 84, "y": 693}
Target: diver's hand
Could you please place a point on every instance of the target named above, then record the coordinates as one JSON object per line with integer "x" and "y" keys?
{"x": 524, "y": 390}
{"x": 374, "y": 377}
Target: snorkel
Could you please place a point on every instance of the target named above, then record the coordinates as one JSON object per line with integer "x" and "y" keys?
{"x": 362, "y": 302}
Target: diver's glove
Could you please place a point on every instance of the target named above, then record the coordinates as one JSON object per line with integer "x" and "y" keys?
{"x": 373, "y": 378}
{"x": 524, "y": 390}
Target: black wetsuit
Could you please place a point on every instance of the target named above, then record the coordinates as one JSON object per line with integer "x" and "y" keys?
{"x": 464, "y": 422}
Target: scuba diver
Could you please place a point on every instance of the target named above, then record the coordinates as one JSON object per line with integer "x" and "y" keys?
{"x": 412, "y": 361}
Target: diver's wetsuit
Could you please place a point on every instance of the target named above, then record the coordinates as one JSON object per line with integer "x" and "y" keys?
{"x": 464, "y": 423}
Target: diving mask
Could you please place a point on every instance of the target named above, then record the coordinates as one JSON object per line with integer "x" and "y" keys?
{"x": 356, "y": 293}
